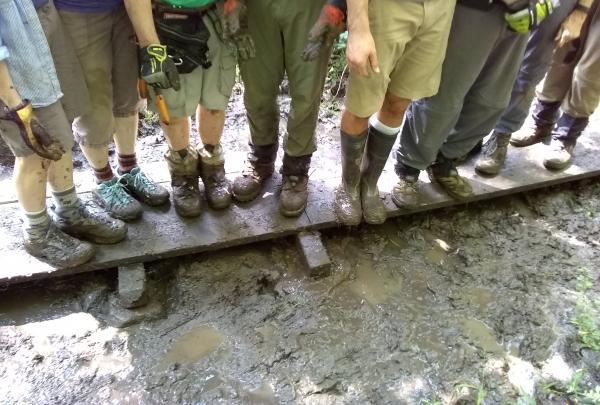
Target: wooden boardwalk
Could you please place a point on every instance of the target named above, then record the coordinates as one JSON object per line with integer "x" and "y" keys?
{"x": 162, "y": 234}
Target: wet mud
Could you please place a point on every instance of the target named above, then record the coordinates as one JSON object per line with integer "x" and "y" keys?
{"x": 474, "y": 304}
{"x": 441, "y": 307}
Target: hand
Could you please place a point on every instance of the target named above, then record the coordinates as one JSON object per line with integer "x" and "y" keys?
{"x": 157, "y": 69}
{"x": 361, "y": 52}
{"x": 331, "y": 23}
{"x": 32, "y": 132}
{"x": 570, "y": 29}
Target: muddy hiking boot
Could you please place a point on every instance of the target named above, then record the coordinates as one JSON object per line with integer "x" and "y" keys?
{"x": 83, "y": 222}
{"x": 211, "y": 166}
{"x": 544, "y": 117}
{"x": 347, "y": 203}
{"x": 143, "y": 188}
{"x": 564, "y": 139}
{"x": 260, "y": 165}
{"x": 112, "y": 195}
{"x": 443, "y": 172}
{"x": 294, "y": 190}
{"x": 493, "y": 154}
{"x": 51, "y": 245}
{"x": 378, "y": 150}
{"x": 183, "y": 167}
{"x": 405, "y": 193}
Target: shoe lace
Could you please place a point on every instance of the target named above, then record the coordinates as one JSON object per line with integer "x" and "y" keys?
{"x": 115, "y": 194}
{"x": 143, "y": 182}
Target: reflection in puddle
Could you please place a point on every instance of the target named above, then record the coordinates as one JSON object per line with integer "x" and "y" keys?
{"x": 481, "y": 334}
{"x": 192, "y": 346}
{"x": 439, "y": 252}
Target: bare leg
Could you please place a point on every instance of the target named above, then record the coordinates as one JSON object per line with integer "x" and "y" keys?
{"x": 210, "y": 124}
{"x": 60, "y": 174}
{"x": 30, "y": 175}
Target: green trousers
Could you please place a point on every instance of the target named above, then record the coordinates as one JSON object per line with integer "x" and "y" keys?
{"x": 280, "y": 30}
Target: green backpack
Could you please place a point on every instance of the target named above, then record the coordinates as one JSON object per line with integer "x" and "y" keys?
{"x": 189, "y": 3}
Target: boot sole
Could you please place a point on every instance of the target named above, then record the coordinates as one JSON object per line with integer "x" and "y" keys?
{"x": 557, "y": 167}
{"x": 488, "y": 172}
{"x": 185, "y": 214}
{"x": 100, "y": 240}
{"x": 246, "y": 198}
{"x": 403, "y": 205}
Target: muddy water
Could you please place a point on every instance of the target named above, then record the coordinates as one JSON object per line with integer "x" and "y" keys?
{"x": 192, "y": 346}
{"x": 481, "y": 335}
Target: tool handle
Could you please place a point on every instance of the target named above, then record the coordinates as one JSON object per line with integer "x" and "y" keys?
{"x": 163, "y": 110}
{"x": 143, "y": 88}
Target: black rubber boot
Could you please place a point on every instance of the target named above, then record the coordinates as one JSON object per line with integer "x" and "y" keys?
{"x": 294, "y": 191}
{"x": 211, "y": 165}
{"x": 544, "y": 117}
{"x": 378, "y": 150}
{"x": 183, "y": 166}
{"x": 564, "y": 138}
{"x": 347, "y": 204}
{"x": 260, "y": 165}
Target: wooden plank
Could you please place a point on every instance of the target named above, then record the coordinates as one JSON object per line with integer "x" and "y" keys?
{"x": 161, "y": 233}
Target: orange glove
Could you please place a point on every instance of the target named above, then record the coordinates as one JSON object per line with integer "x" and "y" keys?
{"x": 331, "y": 23}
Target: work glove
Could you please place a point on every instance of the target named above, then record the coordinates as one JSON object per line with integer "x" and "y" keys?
{"x": 157, "y": 69}
{"x": 329, "y": 26}
{"x": 525, "y": 20}
{"x": 32, "y": 132}
{"x": 235, "y": 28}
{"x": 570, "y": 29}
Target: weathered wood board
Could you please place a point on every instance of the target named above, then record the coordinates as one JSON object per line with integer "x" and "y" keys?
{"x": 161, "y": 233}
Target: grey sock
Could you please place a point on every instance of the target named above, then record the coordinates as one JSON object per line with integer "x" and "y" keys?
{"x": 66, "y": 199}
{"x": 35, "y": 224}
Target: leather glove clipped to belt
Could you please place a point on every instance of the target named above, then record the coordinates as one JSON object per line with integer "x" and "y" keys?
{"x": 157, "y": 69}
{"x": 32, "y": 132}
{"x": 331, "y": 23}
{"x": 525, "y": 20}
{"x": 235, "y": 28}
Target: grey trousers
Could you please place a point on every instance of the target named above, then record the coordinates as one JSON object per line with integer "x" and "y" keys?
{"x": 538, "y": 57}
{"x": 576, "y": 84}
{"x": 482, "y": 62}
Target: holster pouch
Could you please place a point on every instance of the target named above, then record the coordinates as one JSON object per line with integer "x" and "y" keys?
{"x": 185, "y": 34}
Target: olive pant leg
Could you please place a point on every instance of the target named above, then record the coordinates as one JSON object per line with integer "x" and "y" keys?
{"x": 280, "y": 29}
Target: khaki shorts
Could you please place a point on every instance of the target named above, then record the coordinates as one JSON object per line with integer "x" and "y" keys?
{"x": 210, "y": 88}
{"x": 106, "y": 49}
{"x": 76, "y": 99}
{"x": 411, "y": 39}
{"x": 52, "y": 118}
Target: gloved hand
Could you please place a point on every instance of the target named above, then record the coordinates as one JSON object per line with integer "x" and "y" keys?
{"x": 235, "y": 28}
{"x": 32, "y": 132}
{"x": 570, "y": 29}
{"x": 331, "y": 23}
{"x": 524, "y": 20}
{"x": 157, "y": 69}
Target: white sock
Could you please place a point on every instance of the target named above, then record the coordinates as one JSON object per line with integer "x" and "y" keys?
{"x": 66, "y": 199}
{"x": 381, "y": 127}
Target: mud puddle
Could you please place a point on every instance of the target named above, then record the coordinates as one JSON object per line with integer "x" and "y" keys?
{"x": 192, "y": 347}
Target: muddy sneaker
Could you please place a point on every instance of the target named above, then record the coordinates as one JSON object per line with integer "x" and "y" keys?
{"x": 50, "y": 245}
{"x": 112, "y": 195}
{"x": 493, "y": 154}
{"x": 405, "y": 193}
{"x": 559, "y": 155}
{"x": 211, "y": 166}
{"x": 443, "y": 172}
{"x": 260, "y": 165}
{"x": 86, "y": 223}
{"x": 144, "y": 189}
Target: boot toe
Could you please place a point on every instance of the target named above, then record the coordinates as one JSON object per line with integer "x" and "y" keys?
{"x": 159, "y": 196}
{"x": 219, "y": 200}
{"x": 129, "y": 212}
{"x": 245, "y": 189}
{"x": 486, "y": 167}
{"x": 348, "y": 209}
